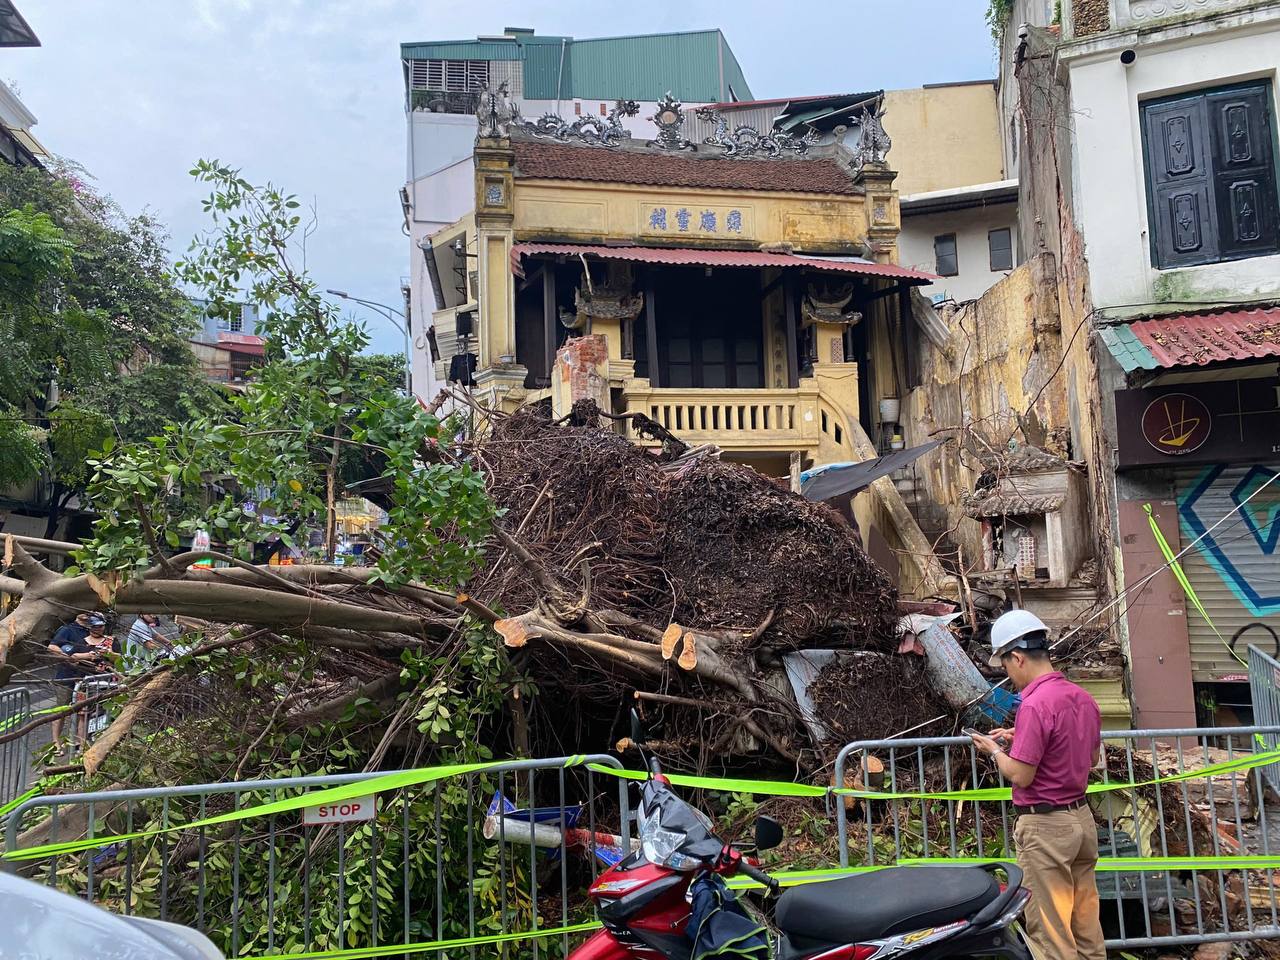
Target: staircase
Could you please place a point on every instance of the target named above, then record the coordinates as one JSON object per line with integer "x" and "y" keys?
{"x": 931, "y": 517}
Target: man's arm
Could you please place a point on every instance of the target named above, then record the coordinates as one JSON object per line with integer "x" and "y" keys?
{"x": 1015, "y": 771}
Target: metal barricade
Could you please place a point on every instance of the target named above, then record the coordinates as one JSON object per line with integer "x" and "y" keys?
{"x": 434, "y": 861}
{"x": 15, "y": 759}
{"x": 1264, "y": 689}
{"x": 95, "y": 715}
{"x": 1214, "y": 816}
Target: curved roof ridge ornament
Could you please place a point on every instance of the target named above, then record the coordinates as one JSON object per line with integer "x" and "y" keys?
{"x": 589, "y": 129}
{"x": 669, "y": 119}
{"x": 747, "y": 141}
{"x": 874, "y": 142}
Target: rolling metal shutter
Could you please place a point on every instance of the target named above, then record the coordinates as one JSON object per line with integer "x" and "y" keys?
{"x": 1235, "y": 570}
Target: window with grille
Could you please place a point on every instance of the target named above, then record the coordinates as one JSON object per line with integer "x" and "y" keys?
{"x": 1211, "y": 178}
{"x": 454, "y": 76}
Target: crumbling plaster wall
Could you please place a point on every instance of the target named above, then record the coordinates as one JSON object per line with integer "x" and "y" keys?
{"x": 997, "y": 378}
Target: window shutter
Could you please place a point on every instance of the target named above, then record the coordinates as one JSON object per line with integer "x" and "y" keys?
{"x": 1178, "y": 176}
{"x": 1000, "y": 249}
{"x": 1244, "y": 171}
{"x": 946, "y": 262}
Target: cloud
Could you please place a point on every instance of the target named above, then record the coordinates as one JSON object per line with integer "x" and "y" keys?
{"x": 308, "y": 93}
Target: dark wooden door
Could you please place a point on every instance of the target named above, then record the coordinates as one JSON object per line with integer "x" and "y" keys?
{"x": 1244, "y": 171}
{"x": 1179, "y": 178}
{"x": 710, "y": 331}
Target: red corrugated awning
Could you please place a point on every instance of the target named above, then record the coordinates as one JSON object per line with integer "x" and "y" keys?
{"x": 1188, "y": 340}
{"x": 242, "y": 343}
{"x": 696, "y": 257}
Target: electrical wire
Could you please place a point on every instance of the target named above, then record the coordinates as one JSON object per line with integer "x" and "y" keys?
{"x": 1139, "y": 586}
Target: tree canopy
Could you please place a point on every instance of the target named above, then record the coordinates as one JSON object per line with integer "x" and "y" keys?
{"x": 95, "y": 331}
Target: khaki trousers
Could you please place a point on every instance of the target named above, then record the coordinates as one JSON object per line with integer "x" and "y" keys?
{"x": 1058, "y": 853}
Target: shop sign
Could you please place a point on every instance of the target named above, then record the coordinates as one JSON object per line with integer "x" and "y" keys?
{"x": 1231, "y": 421}
{"x": 695, "y": 220}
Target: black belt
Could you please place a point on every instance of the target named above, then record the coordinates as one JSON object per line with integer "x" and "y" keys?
{"x": 1047, "y": 807}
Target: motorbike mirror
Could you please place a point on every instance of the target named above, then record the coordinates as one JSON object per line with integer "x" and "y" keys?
{"x": 638, "y": 733}
{"x": 768, "y": 833}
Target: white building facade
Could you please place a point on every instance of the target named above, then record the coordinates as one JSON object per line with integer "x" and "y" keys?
{"x": 563, "y": 76}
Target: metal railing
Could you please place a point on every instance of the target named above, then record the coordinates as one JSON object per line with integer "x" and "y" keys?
{"x": 1264, "y": 688}
{"x": 1218, "y": 815}
{"x": 15, "y": 757}
{"x": 436, "y": 861}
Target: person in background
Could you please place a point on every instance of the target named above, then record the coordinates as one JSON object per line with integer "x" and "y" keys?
{"x": 76, "y": 658}
{"x": 98, "y": 637}
{"x": 144, "y": 643}
{"x": 1055, "y": 741}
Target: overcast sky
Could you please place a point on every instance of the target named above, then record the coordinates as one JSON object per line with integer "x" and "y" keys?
{"x": 309, "y": 93}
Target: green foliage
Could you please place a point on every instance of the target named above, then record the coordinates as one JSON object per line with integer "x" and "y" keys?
{"x": 316, "y": 416}
{"x": 998, "y": 14}
{"x": 87, "y": 302}
{"x": 267, "y": 869}
{"x": 315, "y": 413}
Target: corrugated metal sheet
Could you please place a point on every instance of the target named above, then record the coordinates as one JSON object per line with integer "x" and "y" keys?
{"x": 1234, "y": 570}
{"x": 761, "y": 118}
{"x": 637, "y": 68}
{"x": 644, "y": 68}
{"x": 542, "y": 70}
{"x": 687, "y": 256}
{"x": 733, "y": 75}
{"x": 463, "y": 50}
{"x": 1196, "y": 339}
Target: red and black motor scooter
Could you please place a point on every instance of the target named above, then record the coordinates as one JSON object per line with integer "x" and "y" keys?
{"x": 927, "y": 913}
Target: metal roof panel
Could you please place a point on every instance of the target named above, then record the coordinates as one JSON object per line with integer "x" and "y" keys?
{"x": 696, "y": 257}
{"x": 1195, "y": 339}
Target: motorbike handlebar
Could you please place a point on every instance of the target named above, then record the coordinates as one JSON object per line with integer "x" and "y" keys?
{"x": 654, "y": 767}
{"x": 758, "y": 875}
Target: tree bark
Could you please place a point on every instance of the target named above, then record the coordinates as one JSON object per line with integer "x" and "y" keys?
{"x": 121, "y": 725}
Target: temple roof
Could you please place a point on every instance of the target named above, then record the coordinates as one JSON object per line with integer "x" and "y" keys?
{"x": 814, "y": 173}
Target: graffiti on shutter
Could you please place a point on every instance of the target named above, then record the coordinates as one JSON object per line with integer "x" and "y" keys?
{"x": 1233, "y": 569}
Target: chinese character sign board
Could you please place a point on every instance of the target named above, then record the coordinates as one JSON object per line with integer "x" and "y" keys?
{"x": 677, "y": 219}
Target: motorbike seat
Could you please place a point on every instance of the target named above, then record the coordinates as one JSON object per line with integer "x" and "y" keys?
{"x": 880, "y": 904}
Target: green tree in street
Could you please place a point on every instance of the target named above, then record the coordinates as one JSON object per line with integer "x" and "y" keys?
{"x": 94, "y": 329}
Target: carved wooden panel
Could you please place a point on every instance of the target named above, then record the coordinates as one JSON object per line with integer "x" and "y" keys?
{"x": 1186, "y": 216}
{"x": 1179, "y": 151}
{"x": 1237, "y": 133}
{"x": 1245, "y": 223}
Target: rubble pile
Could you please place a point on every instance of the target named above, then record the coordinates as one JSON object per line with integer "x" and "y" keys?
{"x": 691, "y": 539}
{"x": 873, "y": 696}
{"x": 684, "y": 579}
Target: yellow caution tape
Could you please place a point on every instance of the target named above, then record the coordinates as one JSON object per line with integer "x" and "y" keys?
{"x": 1183, "y": 582}
{"x": 347, "y": 791}
{"x": 395, "y": 950}
{"x": 769, "y": 788}
{"x": 409, "y": 778}
{"x": 18, "y": 801}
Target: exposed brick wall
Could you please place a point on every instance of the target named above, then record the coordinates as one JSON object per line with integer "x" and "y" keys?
{"x": 1090, "y": 17}
{"x": 581, "y": 373}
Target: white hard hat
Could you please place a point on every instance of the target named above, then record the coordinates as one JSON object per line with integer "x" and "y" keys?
{"x": 1010, "y": 631}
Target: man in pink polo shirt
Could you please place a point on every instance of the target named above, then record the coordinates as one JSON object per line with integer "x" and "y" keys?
{"x": 1056, "y": 740}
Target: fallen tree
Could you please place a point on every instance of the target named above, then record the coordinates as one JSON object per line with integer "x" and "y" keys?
{"x": 536, "y": 578}
{"x": 612, "y": 571}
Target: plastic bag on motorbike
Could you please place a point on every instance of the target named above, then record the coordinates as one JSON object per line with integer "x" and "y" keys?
{"x": 720, "y": 927}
